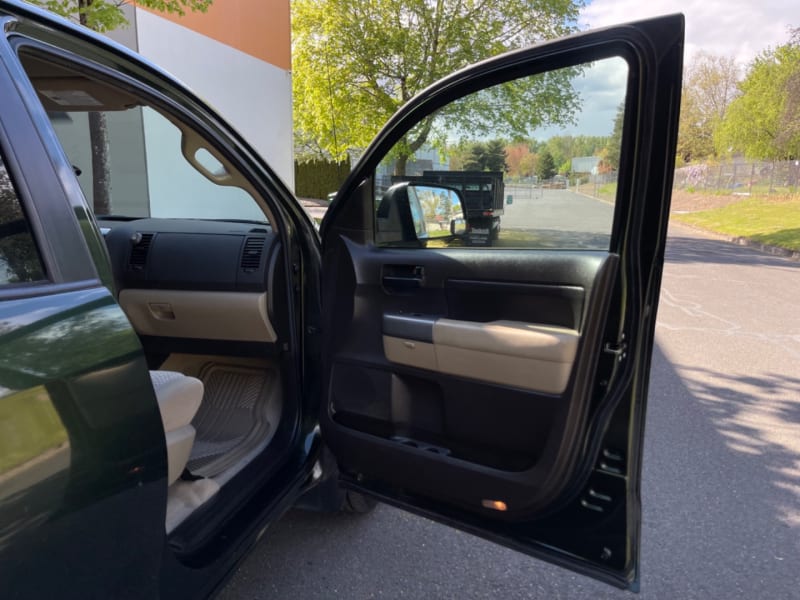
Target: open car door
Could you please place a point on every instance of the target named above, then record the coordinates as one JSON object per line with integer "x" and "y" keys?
{"x": 487, "y": 366}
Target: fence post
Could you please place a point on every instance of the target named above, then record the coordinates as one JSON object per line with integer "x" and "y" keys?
{"x": 752, "y": 175}
{"x": 719, "y": 177}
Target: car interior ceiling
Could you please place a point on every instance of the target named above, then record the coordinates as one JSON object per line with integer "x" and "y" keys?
{"x": 208, "y": 299}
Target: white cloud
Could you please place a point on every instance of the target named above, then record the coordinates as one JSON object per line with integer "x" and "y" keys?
{"x": 737, "y": 28}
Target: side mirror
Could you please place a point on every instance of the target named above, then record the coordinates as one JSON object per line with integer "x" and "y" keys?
{"x": 411, "y": 213}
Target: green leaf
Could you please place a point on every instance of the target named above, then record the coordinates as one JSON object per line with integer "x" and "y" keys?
{"x": 764, "y": 121}
{"x": 106, "y": 15}
{"x": 355, "y": 62}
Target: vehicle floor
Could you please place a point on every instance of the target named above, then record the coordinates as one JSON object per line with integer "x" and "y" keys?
{"x": 236, "y": 420}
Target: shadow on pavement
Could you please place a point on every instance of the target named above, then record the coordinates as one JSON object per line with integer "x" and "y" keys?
{"x": 686, "y": 249}
{"x": 522, "y": 237}
{"x": 758, "y": 418}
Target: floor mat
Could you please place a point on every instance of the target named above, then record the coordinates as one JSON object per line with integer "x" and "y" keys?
{"x": 238, "y": 415}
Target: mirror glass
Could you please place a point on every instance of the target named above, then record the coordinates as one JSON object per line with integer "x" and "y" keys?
{"x": 440, "y": 208}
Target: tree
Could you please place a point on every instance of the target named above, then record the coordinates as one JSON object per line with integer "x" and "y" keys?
{"x": 764, "y": 121}
{"x": 566, "y": 147}
{"x": 355, "y": 63}
{"x": 614, "y": 146}
{"x": 520, "y": 160}
{"x": 105, "y": 15}
{"x": 709, "y": 86}
{"x": 789, "y": 121}
{"x": 546, "y": 167}
{"x": 489, "y": 156}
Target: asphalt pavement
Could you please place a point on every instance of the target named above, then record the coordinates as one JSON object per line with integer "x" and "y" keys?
{"x": 721, "y": 487}
{"x": 556, "y": 210}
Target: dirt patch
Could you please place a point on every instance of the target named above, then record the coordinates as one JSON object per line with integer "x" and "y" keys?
{"x": 683, "y": 202}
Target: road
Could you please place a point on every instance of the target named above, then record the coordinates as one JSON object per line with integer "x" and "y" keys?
{"x": 542, "y": 218}
{"x": 556, "y": 210}
{"x": 721, "y": 483}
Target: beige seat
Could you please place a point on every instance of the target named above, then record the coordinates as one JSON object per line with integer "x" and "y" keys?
{"x": 179, "y": 398}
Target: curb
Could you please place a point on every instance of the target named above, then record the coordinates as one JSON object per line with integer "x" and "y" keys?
{"x": 793, "y": 255}
{"x": 595, "y": 198}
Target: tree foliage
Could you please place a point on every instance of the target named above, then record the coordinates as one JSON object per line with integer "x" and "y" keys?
{"x": 764, "y": 121}
{"x": 613, "y": 147}
{"x": 486, "y": 156}
{"x": 564, "y": 148}
{"x": 546, "y": 166}
{"x": 355, "y": 63}
{"x": 520, "y": 160}
{"x": 105, "y": 15}
{"x": 709, "y": 86}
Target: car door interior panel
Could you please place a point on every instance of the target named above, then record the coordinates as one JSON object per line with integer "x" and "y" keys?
{"x": 468, "y": 374}
{"x": 523, "y": 355}
{"x": 493, "y": 374}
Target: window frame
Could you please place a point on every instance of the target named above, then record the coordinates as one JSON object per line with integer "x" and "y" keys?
{"x": 54, "y": 225}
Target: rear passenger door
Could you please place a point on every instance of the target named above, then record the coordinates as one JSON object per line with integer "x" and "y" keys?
{"x": 501, "y": 387}
{"x": 82, "y": 459}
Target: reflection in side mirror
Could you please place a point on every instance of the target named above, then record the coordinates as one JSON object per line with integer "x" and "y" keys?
{"x": 417, "y": 214}
{"x": 441, "y": 208}
{"x": 410, "y": 214}
{"x": 458, "y": 227}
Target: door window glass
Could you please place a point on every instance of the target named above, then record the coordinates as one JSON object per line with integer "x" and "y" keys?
{"x": 19, "y": 257}
{"x": 534, "y": 161}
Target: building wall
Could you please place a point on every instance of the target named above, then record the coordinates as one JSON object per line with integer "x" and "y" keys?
{"x": 237, "y": 57}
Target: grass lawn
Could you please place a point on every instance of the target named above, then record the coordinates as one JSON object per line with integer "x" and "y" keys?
{"x": 773, "y": 220}
{"x": 29, "y": 426}
{"x": 509, "y": 238}
{"x": 605, "y": 191}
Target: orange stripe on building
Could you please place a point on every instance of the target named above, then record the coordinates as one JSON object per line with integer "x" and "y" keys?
{"x": 260, "y": 28}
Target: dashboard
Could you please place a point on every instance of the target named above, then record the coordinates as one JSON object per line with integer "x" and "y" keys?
{"x": 183, "y": 279}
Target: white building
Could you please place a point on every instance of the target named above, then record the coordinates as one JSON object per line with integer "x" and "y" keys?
{"x": 236, "y": 56}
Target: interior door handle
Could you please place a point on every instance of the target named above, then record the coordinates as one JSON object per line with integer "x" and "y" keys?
{"x": 398, "y": 278}
{"x": 396, "y": 283}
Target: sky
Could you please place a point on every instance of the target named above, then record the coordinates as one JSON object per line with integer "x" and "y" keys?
{"x": 736, "y": 28}
{"x": 601, "y": 88}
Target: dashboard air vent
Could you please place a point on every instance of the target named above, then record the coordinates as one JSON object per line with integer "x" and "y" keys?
{"x": 251, "y": 255}
{"x": 141, "y": 245}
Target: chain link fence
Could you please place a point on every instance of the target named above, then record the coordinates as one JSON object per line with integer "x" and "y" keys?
{"x": 740, "y": 177}
{"x": 735, "y": 177}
